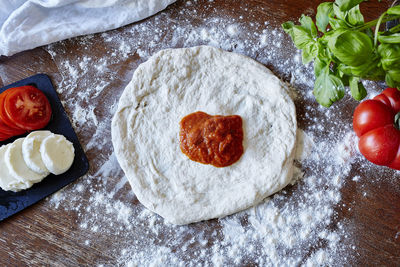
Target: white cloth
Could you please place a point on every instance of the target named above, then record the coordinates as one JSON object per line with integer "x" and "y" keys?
{"x": 26, "y": 24}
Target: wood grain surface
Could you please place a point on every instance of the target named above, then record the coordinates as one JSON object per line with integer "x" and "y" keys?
{"x": 41, "y": 236}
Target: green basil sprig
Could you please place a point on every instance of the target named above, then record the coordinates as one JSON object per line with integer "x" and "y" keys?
{"x": 345, "y": 49}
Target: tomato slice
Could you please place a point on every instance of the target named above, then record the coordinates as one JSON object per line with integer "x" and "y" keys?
{"x": 6, "y": 130}
{"x": 3, "y": 116}
{"x": 27, "y": 107}
{"x": 4, "y": 136}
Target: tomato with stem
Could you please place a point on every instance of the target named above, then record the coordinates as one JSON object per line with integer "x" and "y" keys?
{"x": 377, "y": 123}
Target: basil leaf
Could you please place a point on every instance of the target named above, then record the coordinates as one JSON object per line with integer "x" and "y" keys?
{"x": 375, "y": 73}
{"x": 394, "y": 10}
{"x": 354, "y": 16}
{"x": 370, "y": 33}
{"x": 395, "y": 75}
{"x": 337, "y": 24}
{"x": 389, "y": 50}
{"x": 389, "y": 39}
{"x": 389, "y": 81}
{"x": 309, "y": 53}
{"x": 351, "y": 47}
{"x": 324, "y": 12}
{"x": 393, "y": 78}
{"x": 395, "y": 29}
{"x": 308, "y": 24}
{"x": 348, "y": 19}
{"x": 288, "y": 27}
{"x": 339, "y": 13}
{"x": 324, "y": 40}
{"x": 324, "y": 52}
{"x": 370, "y": 70}
{"x": 347, "y": 70}
{"x": 391, "y": 63}
{"x": 319, "y": 66}
{"x": 300, "y": 35}
{"x": 346, "y": 5}
{"x": 338, "y": 73}
{"x": 360, "y": 70}
{"x": 390, "y": 56}
{"x": 345, "y": 79}
{"x": 328, "y": 88}
{"x": 357, "y": 89}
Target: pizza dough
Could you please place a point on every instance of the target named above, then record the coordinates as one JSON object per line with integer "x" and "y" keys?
{"x": 177, "y": 82}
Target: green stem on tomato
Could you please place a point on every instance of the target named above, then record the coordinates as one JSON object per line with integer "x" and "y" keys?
{"x": 397, "y": 121}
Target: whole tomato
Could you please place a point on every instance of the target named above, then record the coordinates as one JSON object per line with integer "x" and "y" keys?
{"x": 377, "y": 122}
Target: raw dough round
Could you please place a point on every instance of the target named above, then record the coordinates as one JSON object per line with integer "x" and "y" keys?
{"x": 176, "y": 82}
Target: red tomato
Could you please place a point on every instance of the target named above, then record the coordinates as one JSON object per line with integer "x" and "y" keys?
{"x": 6, "y": 130}
{"x": 377, "y": 124}
{"x": 27, "y": 107}
{"x": 3, "y": 116}
{"x": 4, "y": 137}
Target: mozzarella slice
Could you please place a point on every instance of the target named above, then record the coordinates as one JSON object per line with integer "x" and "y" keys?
{"x": 57, "y": 153}
{"x": 31, "y": 151}
{"x": 17, "y": 166}
{"x": 7, "y": 181}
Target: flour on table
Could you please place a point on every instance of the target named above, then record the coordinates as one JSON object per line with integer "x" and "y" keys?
{"x": 304, "y": 145}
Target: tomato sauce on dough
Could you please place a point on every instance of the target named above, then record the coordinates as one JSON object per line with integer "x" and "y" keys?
{"x": 215, "y": 140}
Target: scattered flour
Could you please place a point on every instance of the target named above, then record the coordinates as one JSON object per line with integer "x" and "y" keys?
{"x": 232, "y": 30}
{"x": 297, "y": 226}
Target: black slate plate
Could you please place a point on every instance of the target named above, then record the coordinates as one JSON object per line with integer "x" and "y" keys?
{"x": 10, "y": 202}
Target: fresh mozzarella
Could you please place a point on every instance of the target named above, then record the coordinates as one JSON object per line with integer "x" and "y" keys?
{"x": 57, "y": 153}
{"x": 17, "y": 166}
{"x": 31, "y": 151}
{"x": 7, "y": 181}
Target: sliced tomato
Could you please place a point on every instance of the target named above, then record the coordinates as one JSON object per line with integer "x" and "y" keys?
{"x": 4, "y": 137}
{"x": 27, "y": 107}
{"x": 6, "y": 130}
{"x": 3, "y": 116}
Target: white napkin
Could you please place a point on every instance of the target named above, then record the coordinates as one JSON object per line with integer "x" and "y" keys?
{"x": 26, "y": 24}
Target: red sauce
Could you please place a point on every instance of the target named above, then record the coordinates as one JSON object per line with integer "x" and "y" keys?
{"x": 215, "y": 140}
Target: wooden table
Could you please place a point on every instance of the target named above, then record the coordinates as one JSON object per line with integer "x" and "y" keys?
{"x": 45, "y": 236}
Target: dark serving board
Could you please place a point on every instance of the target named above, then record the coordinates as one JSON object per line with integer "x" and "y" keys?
{"x": 10, "y": 202}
